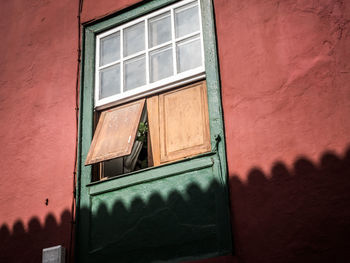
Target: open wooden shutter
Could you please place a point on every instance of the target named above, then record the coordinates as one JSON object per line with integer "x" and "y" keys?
{"x": 115, "y": 132}
{"x": 179, "y": 123}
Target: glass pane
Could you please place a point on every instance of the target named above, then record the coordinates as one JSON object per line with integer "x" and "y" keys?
{"x": 113, "y": 167}
{"x": 189, "y": 54}
{"x": 159, "y": 29}
{"x": 134, "y": 39}
{"x": 134, "y": 73}
{"x": 110, "y": 49}
{"x": 186, "y": 20}
{"x": 161, "y": 63}
{"x": 110, "y": 81}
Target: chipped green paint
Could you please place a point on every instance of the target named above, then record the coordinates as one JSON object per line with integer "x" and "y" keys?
{"x": 177, "y": 211}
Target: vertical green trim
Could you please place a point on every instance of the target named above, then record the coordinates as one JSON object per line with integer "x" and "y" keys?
{"x": 213, "y": 79}
{"x": 215, "y": 111}
{"x": 86, "y": 133}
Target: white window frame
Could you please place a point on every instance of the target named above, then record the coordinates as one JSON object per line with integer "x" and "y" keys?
{"x": 175, "y": 80}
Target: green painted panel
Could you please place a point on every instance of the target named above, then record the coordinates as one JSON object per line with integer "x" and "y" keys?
{"x": 85, "y": 137}
{"x": 158, "y": 220}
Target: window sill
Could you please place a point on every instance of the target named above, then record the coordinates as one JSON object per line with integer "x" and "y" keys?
{"x": 152, "y": 173}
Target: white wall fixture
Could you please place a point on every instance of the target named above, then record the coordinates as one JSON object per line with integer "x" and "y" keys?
{"x": 55, "y": 254}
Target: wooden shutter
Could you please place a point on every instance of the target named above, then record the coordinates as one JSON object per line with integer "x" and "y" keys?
{"x": 179, "y": 123}
{"x": 115, "y": 132}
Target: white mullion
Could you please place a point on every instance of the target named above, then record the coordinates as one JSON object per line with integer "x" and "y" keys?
{"x": 189, "y": 40}
{"x": 110, "y": 64}
{"x": 173, "y": 40}
{"x": 121, "y": 61}
{"x": 160, "y": 46}
{"x": 137, "y": 54}
{"x": 147, "y": 52}
{"x": 198, "y": 32}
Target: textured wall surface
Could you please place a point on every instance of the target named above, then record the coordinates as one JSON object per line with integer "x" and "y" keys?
{"x": 92, "y": 10}
{"x": 37, "y": 136}
{"x": 285, "y": 73}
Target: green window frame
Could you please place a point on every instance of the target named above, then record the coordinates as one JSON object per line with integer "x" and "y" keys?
{"x": 213, "y": 164}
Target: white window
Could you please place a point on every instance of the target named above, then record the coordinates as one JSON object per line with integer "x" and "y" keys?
{"x": 152, "y": 53}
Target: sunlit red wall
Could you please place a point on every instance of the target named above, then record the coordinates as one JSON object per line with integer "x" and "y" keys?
{"x": 37, "y": 136}
{"x": 285, "y": 74}
{"x": 285, "y": 71}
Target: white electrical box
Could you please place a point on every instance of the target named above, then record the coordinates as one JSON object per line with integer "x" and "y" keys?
{"x": 55, "y": 254}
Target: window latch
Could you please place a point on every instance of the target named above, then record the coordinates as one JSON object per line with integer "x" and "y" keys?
{"x": 217, "y": 138}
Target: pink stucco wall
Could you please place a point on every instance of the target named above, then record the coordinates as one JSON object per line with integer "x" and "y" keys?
{"x": 285, "y": 71}
{"x": 285, "y": 74}
{"x": 37, "y": 115}
{"x": 285, "y": 80}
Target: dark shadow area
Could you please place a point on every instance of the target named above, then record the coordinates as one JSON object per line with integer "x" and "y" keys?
{"x": 24, "y": 243}
{"x": 186, "y": 224}
{"x": 297, "y": 214}
{"x": 293, "y": 214}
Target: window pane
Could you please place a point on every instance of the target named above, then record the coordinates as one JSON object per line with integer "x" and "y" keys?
{"x": 134, "y": 73}
{"x": 134, "y": 39}
{"x": 159, "y": 29}
{"x": 113, "y": 167}
{"x": 110, "y": 81}
{"x": 186, "y": 20}
{"x": 189, "y": 54}
{"x": 110, "y": 49}
{"x": 161, "y": 63}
